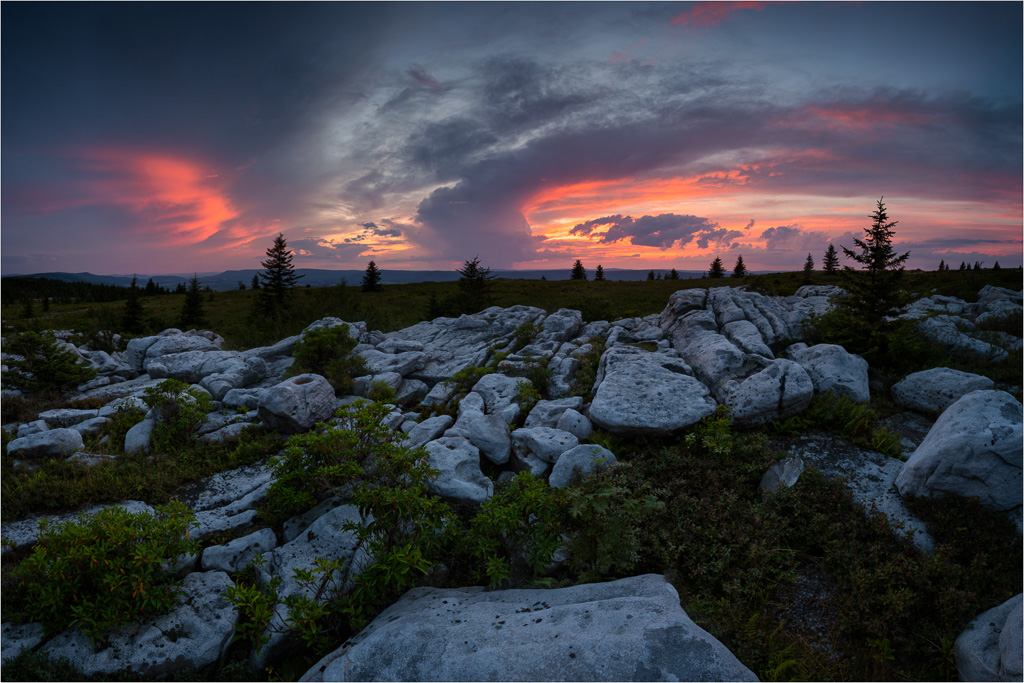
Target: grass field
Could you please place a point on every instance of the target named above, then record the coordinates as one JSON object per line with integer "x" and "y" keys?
{"x": 399, "y": 306}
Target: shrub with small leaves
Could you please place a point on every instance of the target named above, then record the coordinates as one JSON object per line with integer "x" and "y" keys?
{"x": 516, "y": 532}
{"x": 180, "y": 409}
{"x": 327, "y": 351}
{"x": 99, "y": 572}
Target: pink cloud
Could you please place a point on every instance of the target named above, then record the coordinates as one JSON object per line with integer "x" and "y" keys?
{"x": 708, "y": 14}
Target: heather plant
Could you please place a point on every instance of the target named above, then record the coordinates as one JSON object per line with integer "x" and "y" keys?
{"x": 179, "y": 409}
{"x": 327, "y": 351}
{"x": 516, "y": 532}
{"x": 99, "y": 572}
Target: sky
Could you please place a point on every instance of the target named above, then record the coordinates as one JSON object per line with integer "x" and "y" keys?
{"x": 183, "y": 137}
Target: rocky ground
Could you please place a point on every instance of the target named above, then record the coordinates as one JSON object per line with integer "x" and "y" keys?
{"x": 657, "y": 375}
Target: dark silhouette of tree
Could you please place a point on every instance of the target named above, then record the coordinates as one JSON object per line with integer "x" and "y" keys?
{"x": 717, "y": 270}
{"x": 650, "y": 276}
{"x": 181, "y": 288}
{"x": 875, "y": 293}
{"x": 192, "y": 314}
{"x": 255, "y": 284}
{"x": 278, "y": 277}
{"x": 831, "y": 262}
{"x": 151, "y": 288}
{"x": 434, "y": 308}
{"x": 241, "y": 286}
{"x": 740, "y": 269}
{"x": 131, "y": 317}
{"x": 27, "y": 309}
{"x": 942, "y": 265}
{"x": 808, "y": 269}
{"x": 578, "y": 271}
{"x": 474, "y": 287}
{"x": 599, "y": 273}
{"x": 963, "y": 265}
{"x": 994, "y": 267}
{"x": 371, "y": 278}
{"x": 673, "y": 275}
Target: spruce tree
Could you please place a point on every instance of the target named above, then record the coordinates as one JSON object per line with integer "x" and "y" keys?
{"x": 131, "y": 317}
{"x": 255, "y": 284}
{"x": 192, "y": 314}
{"x": 474, "y": 287}
{"x": 740, "y": 270}
{"x": 994, "y": 267}
{"x": 650, "y": 276}
{"x": 716, "y": 270}
{"x": 578, "y": 271}
{"x": 942, "y": 265}
{"x": 830, "y": 264}
{"x": 371, "y": 278}
{"x": 963, "y": 265}
{"x": 599, "y": 273}
{"x": 875, "y": 293}
{"x": 27, "y": 310}
{"x": 808, "y": 269}
{"x": 279, "y": 276}
{"x": 151, "y": 288}
{"x": 673, "y": 274}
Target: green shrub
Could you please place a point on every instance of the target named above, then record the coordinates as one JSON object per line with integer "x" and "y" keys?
{"x": 327, "y": 351}
{"x": 855, "y": 422}
{"x": 403, "y": 532}
{"x": 526, "y": 333}
{"x": 45, "y": 365}
{"x": 583, "y": 382}
{"x": 516, "y": 532}
{"x": 99, "y": 572}
{"x": 381, "y": 392}
{"x": 180, "y": 410}
{"x": 29, "y": 665}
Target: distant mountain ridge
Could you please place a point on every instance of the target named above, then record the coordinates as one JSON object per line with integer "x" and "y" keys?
{"x": 316, "y": 277}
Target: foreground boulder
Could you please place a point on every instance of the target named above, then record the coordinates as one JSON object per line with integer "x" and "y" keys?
{"x": 296, "y": 404}
{"x": 974, "y": 449}
{"x": 52, "y": 443}
{"x": 631, "y": 629}
{"x": 832, "y": 368}
{"x": 989, "y": 649}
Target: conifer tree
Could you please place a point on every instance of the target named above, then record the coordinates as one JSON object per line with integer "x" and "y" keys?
{"x": 650, "y": 276}
{"x": 279, "y": 276}
{"x": 192, "y": 314}
{"x": 181, "y": 288}
{"x": 255, "y": 284}
{"x": 599, "y": 273}
{"x": 963, "y": 265}
{"x": 371, "y": 278}
{"x": 241, "y": 286}
{"x": 151, "y": 288}
{"x": 994, "y": 267}
{"x": 474, "y": 287}
{"x": 808, "y": 269}
{"x": 831, "y": 262}
{"x": 27, "y": 310}
{"x": 578, "y": 271}
{"x": 717, "y": 270}
{"x": 673, "y": 274}
{"x": 740, "y": 269}
{"x": 942, "y": 265}
{"x": 131, "y": 317}
{"x": 875, "y": 293}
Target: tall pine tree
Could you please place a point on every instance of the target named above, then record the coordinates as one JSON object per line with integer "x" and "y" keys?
{"x": 131, "y": 317}
{"x": 599, "y": 273}
{"x": 371, "y": 278}
{"x": 831, "y": 262}
{"x": 740, "y": 269}
{"x": 717, "y": 270}
{"x": 474, "y": 287}
{"x": 278, "y": 277}
{"x": 874, "y": 292}
{"x": 578, "y": 271}
{"x": 192, "y": 314}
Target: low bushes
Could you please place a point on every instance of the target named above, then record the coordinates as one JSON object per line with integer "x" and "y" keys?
{"x": 102, "y": 571}
{"x": 45, "y": 366}
{"x": 327, "y": 351}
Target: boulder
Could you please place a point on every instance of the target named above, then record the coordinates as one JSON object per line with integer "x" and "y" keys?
{"x": 989, "y": 649}
{"x": 428, "y": 430}
{"x": 497, "y": 390}
{"x": 403, "y": 363}
{"x": 489, "y": 433}
{"x": 192, "y": 366}
{"x": 949, "y": 331}
{"x": 783, "y": 473}
{"x": 578, "y": 463}
{"x": 296, "y": 404}
{"x": 53, "y": 443}
{"x": 560, "y": 326}
{"x": 831, "y": 368}
{"x": 15, "y": 637}
{"x": 781, "y": 389}
{"x": 242, "y": 398}
{"x": 140, "y": 436}
{"x": 974, "y": 449}
{"x": 91, "y": 426}
{"x": 66, "y": 417}
{"x": 745, "y": 335}
{"x": 543, "y": 442}
{"x": 195, "y": 634}
{"x": 647, "y": 393}
{"x": 459, "y": 463}
{"x": 932, "y": 391}
{"x": 575, "y": 423}
{"x": 546, "y": 413}
{"x": 626, "y": 630}
{"x": 240, "y": 374}
{"x": 236, "y": 554}
{"x": 33, "y": 427}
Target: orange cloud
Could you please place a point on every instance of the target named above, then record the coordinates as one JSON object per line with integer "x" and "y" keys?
{"x": 859, "y": 119}
{"x": 175, "y": 198}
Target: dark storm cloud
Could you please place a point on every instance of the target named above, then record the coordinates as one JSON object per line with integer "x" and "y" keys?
{"x": 663, "y": 231}
{"x": 423, "y": 77}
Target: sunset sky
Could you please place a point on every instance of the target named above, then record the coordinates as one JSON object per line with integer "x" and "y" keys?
{"x": 181, "y": 137}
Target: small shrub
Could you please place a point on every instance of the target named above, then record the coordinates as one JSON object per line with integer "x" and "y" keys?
{"x": 526, "y": 333}
{"x": 381, "y": 392}
{"x": 586, "y": 373}
{"x": 527, "y": 396}
{"x": 45, "y": 365}
{"x": 516, "y": 532}
{"x": 327, "y": 351}
{"x": 30, "y": 665}
{"x": 180, "y": 410}
{"x": 99, "y": 572}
